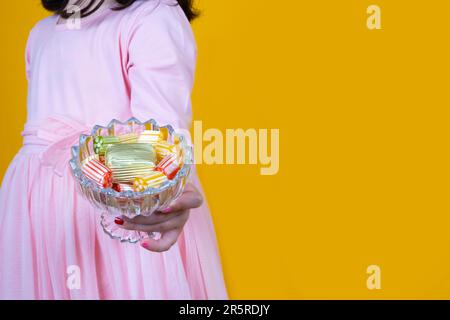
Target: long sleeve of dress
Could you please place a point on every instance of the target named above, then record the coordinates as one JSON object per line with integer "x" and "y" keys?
{"x": 161, "y": 66}
{"x": 28, "y": 56}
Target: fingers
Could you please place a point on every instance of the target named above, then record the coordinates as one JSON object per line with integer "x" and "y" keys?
{"x": 177, "y": 221}
{"x": 169, "y": 224}
{"x": 167, "y": 240}
{"x": 190, "y": 199}
{"x": 155, "y": 218}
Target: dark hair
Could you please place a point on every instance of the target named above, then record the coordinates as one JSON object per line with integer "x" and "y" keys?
{"x": 59, "y": 7}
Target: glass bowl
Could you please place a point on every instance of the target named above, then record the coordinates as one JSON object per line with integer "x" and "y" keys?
{"x": 130, "y": 204}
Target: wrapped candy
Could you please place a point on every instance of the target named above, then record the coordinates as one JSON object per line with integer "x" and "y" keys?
{"x": 128, "y": 175}
{"x": 164, "y": 148}
{"x": 149, "y": 136}
{"x": 130, "y": 160}
{"x": 97, "y": 172}
{"x": 122, "y": 187}
{"x": 131, "y": 137}
{"x": 127, "y": 161}
{"x": 152, "y": 180}
{"x": 130, "y": 153}
{"x": 100, "y": 143}
{"x": 169, "y": 166}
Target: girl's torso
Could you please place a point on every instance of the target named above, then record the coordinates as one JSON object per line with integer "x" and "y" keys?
{"x": 80, "y": 68}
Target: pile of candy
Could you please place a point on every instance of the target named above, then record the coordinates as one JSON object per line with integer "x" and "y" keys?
{"x": 132, "y": 161}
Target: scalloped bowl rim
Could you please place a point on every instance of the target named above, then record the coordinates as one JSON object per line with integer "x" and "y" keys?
{"x": 82, "y": 179}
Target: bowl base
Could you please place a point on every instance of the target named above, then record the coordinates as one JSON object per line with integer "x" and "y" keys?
{"x": 115, "y": 232}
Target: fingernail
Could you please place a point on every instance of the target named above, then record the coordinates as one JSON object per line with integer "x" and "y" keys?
{"x": 118, "y": 221}
{"x": 145, "y": 245}
{"x": 167, "y": 210}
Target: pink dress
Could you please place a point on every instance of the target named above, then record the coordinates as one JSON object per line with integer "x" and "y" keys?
{"x": 136, "y": 62}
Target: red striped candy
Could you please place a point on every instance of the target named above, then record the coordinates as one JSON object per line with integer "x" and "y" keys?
{"x": 121, "y": 187}
{"x": 98, "y": 172}
{"x": 169, "y": 166}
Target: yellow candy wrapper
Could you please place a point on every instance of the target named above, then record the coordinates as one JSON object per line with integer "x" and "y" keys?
{"x": 150, "y": 136}
{"x": 129, "y": 138}
{"x": 164, "y": 148}
{"x": 152, "y": 180}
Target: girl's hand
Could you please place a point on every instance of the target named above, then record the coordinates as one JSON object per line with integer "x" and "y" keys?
{"x": 169, "y": 223}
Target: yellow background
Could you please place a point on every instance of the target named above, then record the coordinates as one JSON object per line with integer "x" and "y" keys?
{"x": 363, "y": 118}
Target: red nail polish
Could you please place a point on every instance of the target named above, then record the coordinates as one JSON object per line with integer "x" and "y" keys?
{"x": 145, "y": 245}
{"x": 118, "y": 221}
{"x": 167, "y": 210}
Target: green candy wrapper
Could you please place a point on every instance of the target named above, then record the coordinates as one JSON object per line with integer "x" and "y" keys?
{"x": 130, "y": 160}
{"x": 101, "y": 142}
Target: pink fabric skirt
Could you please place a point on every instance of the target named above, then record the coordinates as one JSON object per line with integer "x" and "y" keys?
{"x": 47, "y": 230}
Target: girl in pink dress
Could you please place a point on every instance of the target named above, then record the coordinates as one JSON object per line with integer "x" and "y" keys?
{"x": 121, "y": 59}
